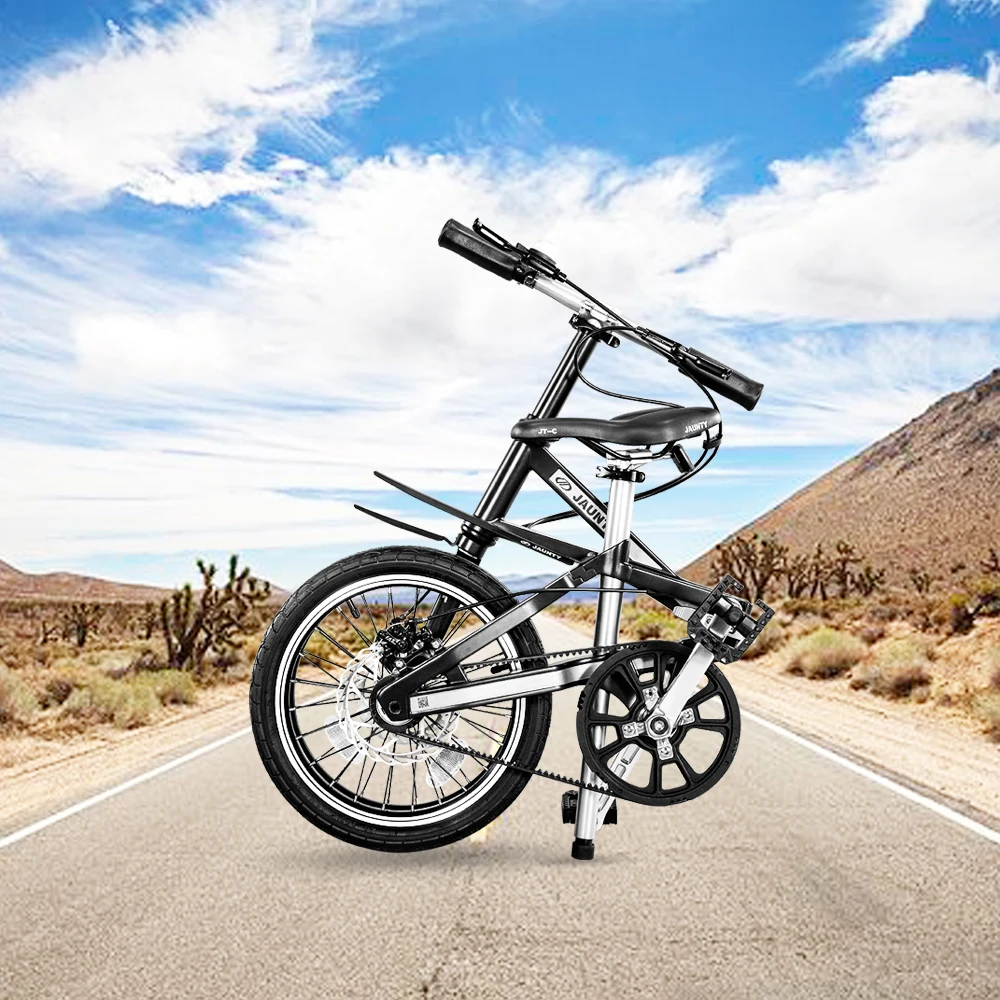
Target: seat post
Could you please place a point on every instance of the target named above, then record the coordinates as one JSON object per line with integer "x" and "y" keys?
{"x": 609, "y": 606}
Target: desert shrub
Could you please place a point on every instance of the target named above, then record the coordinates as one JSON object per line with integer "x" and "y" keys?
{"x": 171, "y": 687}
{"x": 804, "y": 606}
{"x": 18, "y": 703}
{"x": 57, "y": 690}
{"x": 987, "y": 708}
{"x": 980, "y": 599}
{"x": 233, "y": 663}
{"x": 769, "y": 640}
{"x": 101, "y": 699}
{"x": 804, "y": 624}
{"x": 899, "y": 669}
{"x": 884, "y": 613}
{"x": 656, "y": 625}
{"x": 870, "y": 634}
{"x": 824, "y": 653}
{"x": 147, "y": 660}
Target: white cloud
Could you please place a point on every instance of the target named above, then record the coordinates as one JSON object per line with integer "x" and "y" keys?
{"x": 343, "y": 339}
{"x": 172, "y": 114}
{"x": 901, "y": 223}
{"x": 894, "y": 23}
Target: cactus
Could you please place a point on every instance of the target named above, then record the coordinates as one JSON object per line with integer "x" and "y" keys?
{"x": 841, "y": 572}
{"x": 80, "y": 619}
{"x": 212, "y": 622}
{"x": 869, "y": 580}
{"x": 181, "y": 621}
{"x": 795, "y": 571}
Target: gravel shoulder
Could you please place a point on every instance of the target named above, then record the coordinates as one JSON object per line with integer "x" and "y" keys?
{"x": 38, "y": 776}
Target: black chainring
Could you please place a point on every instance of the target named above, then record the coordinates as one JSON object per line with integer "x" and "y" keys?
{"x": 623, "y": 678}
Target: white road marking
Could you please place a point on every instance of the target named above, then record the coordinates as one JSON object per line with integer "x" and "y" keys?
{"x": 879, "y": 779}
{"x": 27, "y": 831}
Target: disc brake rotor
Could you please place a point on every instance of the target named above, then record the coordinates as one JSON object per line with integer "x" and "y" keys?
{"x": 631, "y": 751}
{"x": 353, "y": 723}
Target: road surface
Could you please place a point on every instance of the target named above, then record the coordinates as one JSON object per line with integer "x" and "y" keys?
{"x": 793, "y": 878}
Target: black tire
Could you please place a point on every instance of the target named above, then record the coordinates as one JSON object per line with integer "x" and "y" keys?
{"x": 286, "y": 773}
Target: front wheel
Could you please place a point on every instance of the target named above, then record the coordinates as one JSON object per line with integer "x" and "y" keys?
{"x": 312, "y": 682}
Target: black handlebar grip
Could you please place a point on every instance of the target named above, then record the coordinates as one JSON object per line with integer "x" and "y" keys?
{"x": 732, "y": 385}
{"x": 469, "y": 244}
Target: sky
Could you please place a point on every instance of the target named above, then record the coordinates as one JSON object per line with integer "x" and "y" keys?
{"x": 222, "y": 304}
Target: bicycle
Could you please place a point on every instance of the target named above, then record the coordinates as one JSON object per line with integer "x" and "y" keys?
{"x": 401, "y": 697}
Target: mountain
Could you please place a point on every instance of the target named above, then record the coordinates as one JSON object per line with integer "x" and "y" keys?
{"x": 70, "y": 586}
{"x": 926, "y": 496}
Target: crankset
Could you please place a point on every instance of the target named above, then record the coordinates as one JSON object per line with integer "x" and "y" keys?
{"x": 630, "y": 747}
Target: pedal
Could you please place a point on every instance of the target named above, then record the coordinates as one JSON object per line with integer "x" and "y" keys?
{"x": 569, "y": 801}
{"x": 721, "y": 639}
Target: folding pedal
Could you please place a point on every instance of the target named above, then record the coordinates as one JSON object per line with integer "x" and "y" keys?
{"x": 569, "y": 800}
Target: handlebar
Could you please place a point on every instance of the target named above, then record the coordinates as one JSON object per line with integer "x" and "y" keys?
{"x": 469, "y": 244}
{"x": 532, "y": 268}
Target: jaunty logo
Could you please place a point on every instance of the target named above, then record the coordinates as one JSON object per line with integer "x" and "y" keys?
{"x": 700, "y": 426}
{"x": 579, "y": 500}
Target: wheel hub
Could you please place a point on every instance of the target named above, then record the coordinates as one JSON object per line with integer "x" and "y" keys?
{"x": 359, "y": 723}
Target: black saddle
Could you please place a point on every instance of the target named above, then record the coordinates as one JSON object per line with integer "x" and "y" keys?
{"x": 660, "y": 425}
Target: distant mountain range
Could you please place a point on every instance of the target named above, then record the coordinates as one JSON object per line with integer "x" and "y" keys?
{"x": 71, "y": 586}
{"x": 926, "y": 496}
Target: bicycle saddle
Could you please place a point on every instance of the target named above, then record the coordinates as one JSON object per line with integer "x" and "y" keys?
{"x": 659, "y": 425}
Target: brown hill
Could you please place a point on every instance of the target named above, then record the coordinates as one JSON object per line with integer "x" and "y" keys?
{"x": 71, "y": 587}
{"x": 926, "y": 496}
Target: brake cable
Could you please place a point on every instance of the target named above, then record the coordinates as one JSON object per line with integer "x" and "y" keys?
{"x": 546, "y": 266}
{"x": 708, "y": 452}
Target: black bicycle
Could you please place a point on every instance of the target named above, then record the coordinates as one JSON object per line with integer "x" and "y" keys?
{"x": 401, "y": 697}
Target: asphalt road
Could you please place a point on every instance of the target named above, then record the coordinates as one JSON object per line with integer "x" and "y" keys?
{"x": 792, "y": 878}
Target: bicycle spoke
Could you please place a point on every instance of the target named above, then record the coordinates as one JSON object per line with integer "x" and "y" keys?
{"x": 330, "y": 639}
{"x": 486, "y": 731}
{"x": 364, "y": 638}
{"x": 366, "y": 773}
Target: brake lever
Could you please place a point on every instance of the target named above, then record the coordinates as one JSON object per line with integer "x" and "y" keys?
{"x": 494, "y": 237}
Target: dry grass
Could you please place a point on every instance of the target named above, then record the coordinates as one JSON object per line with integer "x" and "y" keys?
{"x": 773, "y": 637}
{"x": 102, "y": 699}
{"x": 986, "y": 705}
{"x": 642, "y": 618}
{"x": 898, "y": 669}
{"x": 51, "y": 688}
{"x": 18, "y": 704}
{"x": 824, "y": 653}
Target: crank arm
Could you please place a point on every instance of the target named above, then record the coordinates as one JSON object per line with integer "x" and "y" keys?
{"x": 622, "y": 764}
{"x": 683, "y": 686}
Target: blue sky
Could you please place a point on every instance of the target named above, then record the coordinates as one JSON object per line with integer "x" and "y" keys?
{"x": 221, "y": 303}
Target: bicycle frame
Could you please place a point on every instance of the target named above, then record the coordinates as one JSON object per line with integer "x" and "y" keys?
{"x": 402, "y": 698}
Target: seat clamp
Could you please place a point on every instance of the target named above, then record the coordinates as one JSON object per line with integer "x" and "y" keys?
{"x": 614, "y": 472}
